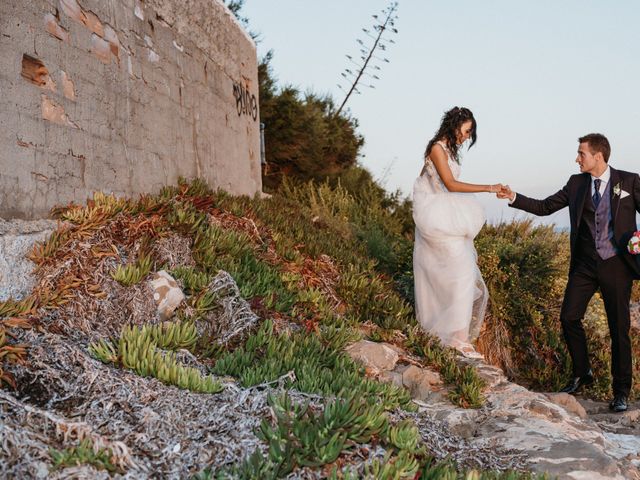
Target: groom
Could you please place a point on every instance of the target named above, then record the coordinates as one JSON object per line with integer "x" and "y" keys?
{"x": 602, "y": 205}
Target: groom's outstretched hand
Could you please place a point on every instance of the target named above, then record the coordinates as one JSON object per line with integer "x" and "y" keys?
{"x": 506, "y": 192}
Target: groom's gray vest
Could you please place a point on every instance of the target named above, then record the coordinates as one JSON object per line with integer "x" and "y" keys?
{"x": 595, "y": 235}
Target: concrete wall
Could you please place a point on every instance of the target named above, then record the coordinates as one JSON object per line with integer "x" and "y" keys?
{"x": 123, "y": 96}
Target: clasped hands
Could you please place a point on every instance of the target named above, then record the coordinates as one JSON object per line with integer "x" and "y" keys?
{"x": 502, "y": 191}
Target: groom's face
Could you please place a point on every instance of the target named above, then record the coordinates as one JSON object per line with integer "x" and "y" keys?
{"x": 588, "y": 161}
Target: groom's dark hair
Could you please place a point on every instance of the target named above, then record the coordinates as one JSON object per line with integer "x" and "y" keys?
{"x": 597, "y": 143}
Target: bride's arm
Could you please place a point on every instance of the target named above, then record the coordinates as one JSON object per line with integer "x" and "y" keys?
{"x": 439, "y": 159}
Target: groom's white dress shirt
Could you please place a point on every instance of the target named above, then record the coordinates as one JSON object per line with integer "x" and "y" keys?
{"x": 606, "y": 175}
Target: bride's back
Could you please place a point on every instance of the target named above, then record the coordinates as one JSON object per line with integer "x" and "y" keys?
{"x": 429, "y": 181}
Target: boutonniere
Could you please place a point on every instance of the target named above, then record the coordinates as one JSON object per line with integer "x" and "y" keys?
{"x": 617, "y": 189}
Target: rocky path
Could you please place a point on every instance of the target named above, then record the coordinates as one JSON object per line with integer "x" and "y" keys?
{"x": 558, "y": 434}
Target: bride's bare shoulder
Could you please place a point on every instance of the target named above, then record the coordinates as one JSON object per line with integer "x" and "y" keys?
{"x": 439, "y": 154}
{"x": 440, "y": 146}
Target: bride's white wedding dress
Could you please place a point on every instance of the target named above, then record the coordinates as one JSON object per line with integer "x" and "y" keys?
{"x": 451, "y": 296}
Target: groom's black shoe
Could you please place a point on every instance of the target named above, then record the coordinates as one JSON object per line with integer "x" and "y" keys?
{"x": 576, "y": 383}
{"x": 619, "y": 403}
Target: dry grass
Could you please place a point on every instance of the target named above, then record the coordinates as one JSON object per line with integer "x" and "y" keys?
{"x": 494, "y": 343}
{"x": 319, "y": 273}
{"x": 93, "y": 302}
{"x": 173, "y": 251}
{"x": 160, "y": 430}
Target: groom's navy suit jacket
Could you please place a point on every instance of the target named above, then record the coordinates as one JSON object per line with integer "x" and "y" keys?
{"x": 574, "y": 195}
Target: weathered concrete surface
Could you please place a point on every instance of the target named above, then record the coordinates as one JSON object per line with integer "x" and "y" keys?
{"x": 16, "y": 239}
{"x": 123, "y": 96}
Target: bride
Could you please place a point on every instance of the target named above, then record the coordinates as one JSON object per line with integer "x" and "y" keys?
{"x": 450, "y": 294}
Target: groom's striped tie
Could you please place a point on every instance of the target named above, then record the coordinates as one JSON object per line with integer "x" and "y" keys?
{"x": 596, "y": 194}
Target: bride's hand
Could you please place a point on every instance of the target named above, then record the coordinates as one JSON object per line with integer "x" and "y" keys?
{"x": 496, "y": 188}
{"x": 506, "y": 192}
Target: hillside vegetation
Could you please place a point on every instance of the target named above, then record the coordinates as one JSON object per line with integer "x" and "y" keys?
{"x": 320, "y": 265}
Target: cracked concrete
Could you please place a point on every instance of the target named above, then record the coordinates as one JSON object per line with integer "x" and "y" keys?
{"x": 122, "y": 96}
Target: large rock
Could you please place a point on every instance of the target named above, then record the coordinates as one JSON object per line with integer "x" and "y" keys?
{"x": 421, "y": 382}
{"x": 391, "y": 377}
{"x": 16, "y": 240}
{"x": 553, "y": 431}
{"x": 555, "y": 438}
{"x": 166, "y": 293}
{"x": 569, "y": 403}
{"x": 375, "y": 356}
{"x": 631, "y": 417}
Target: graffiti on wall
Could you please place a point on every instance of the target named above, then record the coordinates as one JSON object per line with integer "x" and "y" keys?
{"x": 246, "y": 102}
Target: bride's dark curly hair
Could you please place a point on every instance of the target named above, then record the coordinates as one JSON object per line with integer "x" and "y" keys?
{"x": 450, "y": 125}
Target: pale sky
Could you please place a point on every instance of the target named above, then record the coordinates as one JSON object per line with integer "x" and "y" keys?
{"x": 536, "y": 74}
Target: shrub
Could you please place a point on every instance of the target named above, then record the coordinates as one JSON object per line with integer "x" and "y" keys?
{"x": 304, "y": 139}
{"x": 525, "y": 268}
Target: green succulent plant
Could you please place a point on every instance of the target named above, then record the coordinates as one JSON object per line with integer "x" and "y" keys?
{"x": 139, "y": 349}
{"x": 133, "y": 273}
{"x": 83, "y": 454}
